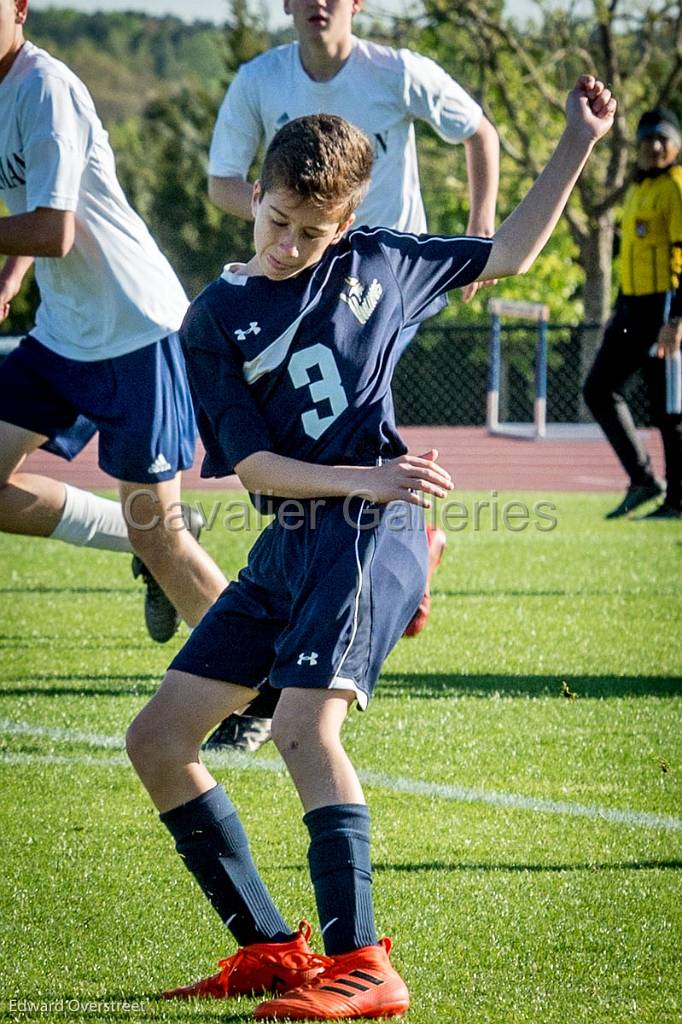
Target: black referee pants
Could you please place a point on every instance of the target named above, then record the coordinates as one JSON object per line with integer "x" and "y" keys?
{"x": 629, "y": 335}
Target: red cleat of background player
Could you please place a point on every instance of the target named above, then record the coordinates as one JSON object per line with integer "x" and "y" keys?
{"x": 436, "y": 540}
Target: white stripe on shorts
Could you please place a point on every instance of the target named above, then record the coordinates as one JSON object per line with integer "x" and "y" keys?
{"x": 338, "y": 683}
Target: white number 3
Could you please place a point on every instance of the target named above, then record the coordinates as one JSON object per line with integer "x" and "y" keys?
{"x": 328, "y": 387}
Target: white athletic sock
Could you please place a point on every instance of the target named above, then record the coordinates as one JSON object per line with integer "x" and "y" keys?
{"x": 92, "y": 522}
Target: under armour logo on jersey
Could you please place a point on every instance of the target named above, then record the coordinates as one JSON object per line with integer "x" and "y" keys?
{"x": 253, "y": 328}
{"x": 360, "y": 300}
{"x": 310, "y": 658}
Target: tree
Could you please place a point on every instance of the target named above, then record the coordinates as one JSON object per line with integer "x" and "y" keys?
{"x": 246, "y": 32}
{"x": 524, "y": 72}
{"x": 163, "y": 165}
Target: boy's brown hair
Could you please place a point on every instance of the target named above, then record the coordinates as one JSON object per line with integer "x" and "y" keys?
{"x": 321, "y": 158}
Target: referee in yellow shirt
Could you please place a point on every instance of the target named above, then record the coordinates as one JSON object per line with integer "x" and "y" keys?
{"x": 650, "y": 282}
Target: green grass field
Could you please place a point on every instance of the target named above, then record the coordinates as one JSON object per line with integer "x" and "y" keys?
{"x": 514, "y": 890}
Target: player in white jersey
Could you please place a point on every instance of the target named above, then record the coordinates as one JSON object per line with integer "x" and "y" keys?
{"x": 103, "y": 354}
{"x": 382, "y": 91}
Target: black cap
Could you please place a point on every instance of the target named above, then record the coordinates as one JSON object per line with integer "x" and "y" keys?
{"x": 659, "y": 121}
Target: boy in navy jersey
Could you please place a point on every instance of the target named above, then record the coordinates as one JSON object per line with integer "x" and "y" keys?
{"x": 290, "y": 358}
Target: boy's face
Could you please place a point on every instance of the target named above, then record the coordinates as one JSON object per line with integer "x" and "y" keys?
{"x": 326, "y": 20}
{"x": 291, "y": 234}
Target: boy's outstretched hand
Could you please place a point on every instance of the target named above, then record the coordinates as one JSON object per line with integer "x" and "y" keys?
{"x": 590, "y": 107}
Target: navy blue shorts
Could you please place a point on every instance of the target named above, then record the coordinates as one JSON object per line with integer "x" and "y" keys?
{"x": 140, "y": 404}
{"x": 320, "y": 605}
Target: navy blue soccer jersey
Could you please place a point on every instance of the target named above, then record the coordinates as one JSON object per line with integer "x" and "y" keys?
{"x": 303, "y": 367}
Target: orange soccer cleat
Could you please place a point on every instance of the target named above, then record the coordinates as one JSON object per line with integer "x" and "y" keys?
{"x": 261, "y": 967}
{"x": 357, "y": 984}
{"x": 436, "y": 541}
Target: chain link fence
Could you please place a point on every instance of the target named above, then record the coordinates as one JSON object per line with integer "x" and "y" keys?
{"x": 442, "y": 377}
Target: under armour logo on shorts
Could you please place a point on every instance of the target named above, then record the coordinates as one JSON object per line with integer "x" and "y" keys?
{"x": 310, "y": 658}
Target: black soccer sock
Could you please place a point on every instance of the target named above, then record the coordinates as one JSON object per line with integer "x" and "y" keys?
{"x": 210, "y": 839}
{"x": 341, "y": 872}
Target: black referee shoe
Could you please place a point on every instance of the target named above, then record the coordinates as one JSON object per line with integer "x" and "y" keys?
{"x": 636, "y": 495}
{"x": 161, "y": 617}
{"x": 664, "y": 511}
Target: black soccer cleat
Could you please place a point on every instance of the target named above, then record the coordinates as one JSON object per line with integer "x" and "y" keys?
{"x": 636, "y": 495}
{"x": 161, "y": 617}
{"x": 249, "y": 729}
{"x": 240, "y": 732}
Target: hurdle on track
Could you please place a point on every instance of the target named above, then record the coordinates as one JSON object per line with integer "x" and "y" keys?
{"x": 535, "y": 312}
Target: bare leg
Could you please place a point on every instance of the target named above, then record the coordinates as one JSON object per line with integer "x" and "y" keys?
{"x": 188, "y": 575}
{"x": 32, "y": 505}
{"x": 29, "y": 504}
{"x": 163, "y": 745}
{"x": 306, "y": 729}
{"x": 39, "y": 506}
{"x": 164, "y": 740}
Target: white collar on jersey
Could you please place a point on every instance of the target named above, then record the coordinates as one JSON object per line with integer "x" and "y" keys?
{"x": 231, "y": 274}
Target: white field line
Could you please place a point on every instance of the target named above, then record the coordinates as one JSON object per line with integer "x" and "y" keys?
{"x": 392, "y": 783}
{"x": 67, "y": 760}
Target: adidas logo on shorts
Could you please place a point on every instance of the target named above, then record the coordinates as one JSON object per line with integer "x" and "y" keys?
{"x": 160, "y": 464}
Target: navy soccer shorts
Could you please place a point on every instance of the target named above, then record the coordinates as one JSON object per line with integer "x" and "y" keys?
{"x": 140, "y": 403}
{"x": 326, "y": 595}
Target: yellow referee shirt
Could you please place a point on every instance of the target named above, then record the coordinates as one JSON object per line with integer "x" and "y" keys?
{"x": 651, "y": 224}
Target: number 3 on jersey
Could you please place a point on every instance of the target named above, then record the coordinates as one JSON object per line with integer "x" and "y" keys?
{"x": 328, "y": 387}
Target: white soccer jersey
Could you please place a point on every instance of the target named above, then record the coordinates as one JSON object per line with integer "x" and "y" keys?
{"x": 114, "y": 292}
{"x": 380, "y": 90}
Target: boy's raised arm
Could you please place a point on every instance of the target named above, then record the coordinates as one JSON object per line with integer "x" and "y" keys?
{"x": 589, "y": 115}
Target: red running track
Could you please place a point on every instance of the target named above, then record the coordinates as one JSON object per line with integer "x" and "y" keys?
{"x": 477, "y": 462}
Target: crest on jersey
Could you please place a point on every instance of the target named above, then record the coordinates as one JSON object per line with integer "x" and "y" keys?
{"x": 360, "y": 300}
{"x": 641, "y": 228}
